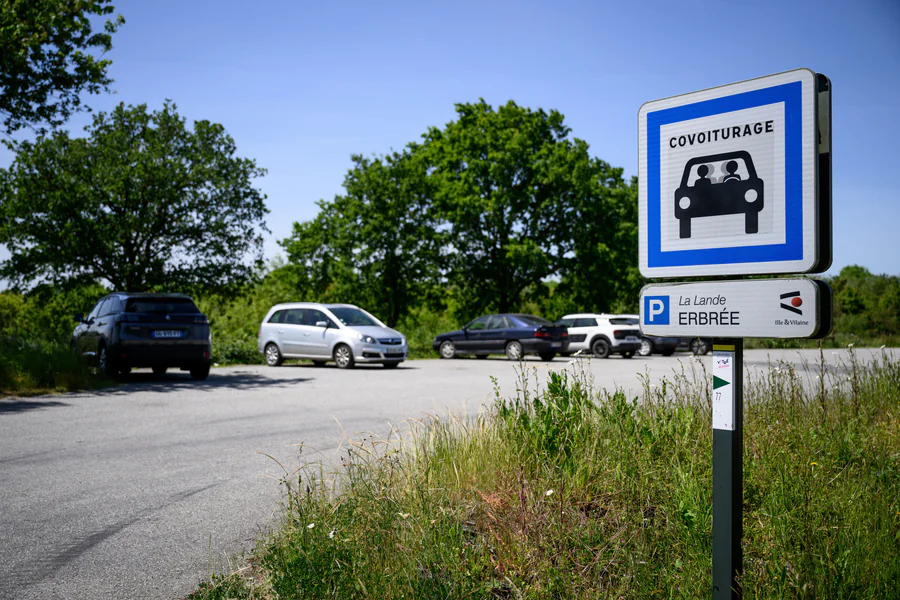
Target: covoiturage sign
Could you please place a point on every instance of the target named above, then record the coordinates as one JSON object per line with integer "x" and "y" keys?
{"x": 731, "y": 179}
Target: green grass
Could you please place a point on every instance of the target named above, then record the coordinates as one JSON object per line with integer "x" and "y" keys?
{"x": 40, "y": 367}
{"x": 563, "y": 492}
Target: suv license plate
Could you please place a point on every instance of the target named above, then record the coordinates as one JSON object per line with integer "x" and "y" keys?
{"x": 166, "y": 333}
{"x": 631, "y": 339}
{"x": 555, "y": 344}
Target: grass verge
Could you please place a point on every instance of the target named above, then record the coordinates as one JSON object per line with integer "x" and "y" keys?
{"x": 41, "y": 367}
{"x": 563, "y": 492}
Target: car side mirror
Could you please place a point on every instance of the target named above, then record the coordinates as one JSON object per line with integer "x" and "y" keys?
{"x": 78, "y": 317}
{"x": 322, "y": 324}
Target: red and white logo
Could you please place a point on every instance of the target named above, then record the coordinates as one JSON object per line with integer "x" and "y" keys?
{"x": 793, "y": 304}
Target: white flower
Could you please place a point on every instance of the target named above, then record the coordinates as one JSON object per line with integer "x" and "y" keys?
{"x": 331, "y": 534}
{"x": 404, "y": 515}
{"x": 548, "y": 493}
{"x": 882, "y": 347}
{"x": 850, "y": 345}
{"x": 311, "y": 525}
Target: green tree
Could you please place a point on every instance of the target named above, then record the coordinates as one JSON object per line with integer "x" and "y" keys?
{"x": 603, "y": 273}
{"x": 143, "y": 202}
{"x": 378, "y": 244}
{"x": 525, "y": 202}
{"x": 46, "y": 60}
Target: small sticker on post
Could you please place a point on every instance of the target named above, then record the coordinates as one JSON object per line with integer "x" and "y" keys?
{"x": 723, "y": 390}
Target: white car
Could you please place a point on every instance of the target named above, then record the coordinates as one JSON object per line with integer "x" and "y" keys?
{"x": 343, "y": 333}
{"x": 601, "y": 334}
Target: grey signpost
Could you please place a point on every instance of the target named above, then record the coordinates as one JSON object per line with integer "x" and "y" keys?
{"x": 736, "y": 181}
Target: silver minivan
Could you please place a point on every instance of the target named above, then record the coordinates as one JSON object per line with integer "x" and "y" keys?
{"x": 343, "y": 333}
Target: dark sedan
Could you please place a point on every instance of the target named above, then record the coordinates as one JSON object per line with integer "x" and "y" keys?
{"x": 512, "y": 334}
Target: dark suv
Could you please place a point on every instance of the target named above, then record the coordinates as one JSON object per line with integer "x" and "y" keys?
{"x": 158, "y": 331}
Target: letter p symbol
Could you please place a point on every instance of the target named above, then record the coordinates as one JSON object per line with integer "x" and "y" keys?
{"x": 656, "y": 310}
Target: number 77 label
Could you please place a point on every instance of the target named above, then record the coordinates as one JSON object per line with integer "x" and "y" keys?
{"x": 723, "y": 390}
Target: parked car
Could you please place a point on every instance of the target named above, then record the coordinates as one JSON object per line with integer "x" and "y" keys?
{"x": 343, "y": 333}
{"x": 651, "y": 344}
{"x": 602, "y": 334}
{"x": 134, "y": 330}
{"x": 512, "y": 334}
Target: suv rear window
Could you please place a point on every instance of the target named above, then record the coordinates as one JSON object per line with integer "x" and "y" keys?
{"x": 162, "y": 306}
{"x": 623, "y": 321}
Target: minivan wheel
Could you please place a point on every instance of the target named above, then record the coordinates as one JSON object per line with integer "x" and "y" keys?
{"x": 646, "y": 347}
{"x": 514, "y": 351}
{"x": 273, "y": 355}
{"x": 343, "y": 356}
{"x": 600, "y": 348}
{"x": 448, "y": 349}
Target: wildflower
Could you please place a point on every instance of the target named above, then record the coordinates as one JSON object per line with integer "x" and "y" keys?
{"x": 850, "y": 345}
{"x": 311, "y": 525}
{"x": 331, "y": 534}
{"x": 548, "y": 493}
{"x": 814, "y": 464}
{"x": 882, "y": 347}
{"x": 404, "y": 515}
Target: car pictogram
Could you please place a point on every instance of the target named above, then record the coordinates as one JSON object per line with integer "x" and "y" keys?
{"x": 719, "y": 184}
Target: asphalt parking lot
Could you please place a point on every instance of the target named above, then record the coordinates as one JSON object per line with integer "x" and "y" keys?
{"x": 142, "y": 489}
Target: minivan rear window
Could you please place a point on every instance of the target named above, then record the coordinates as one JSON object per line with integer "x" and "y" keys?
{"x": 162, "y": 306}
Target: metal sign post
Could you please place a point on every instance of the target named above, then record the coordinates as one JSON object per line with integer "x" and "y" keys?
{"x": 728, "y": 457}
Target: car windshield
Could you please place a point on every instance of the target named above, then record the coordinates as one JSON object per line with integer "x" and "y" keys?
{"x": 353, "y": 316}
{"x": 732, "y": 169}
{"x": 533, "y": 320}
{"x": 161, "y": 306}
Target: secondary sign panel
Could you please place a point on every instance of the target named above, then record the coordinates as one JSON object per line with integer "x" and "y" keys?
{"x": 728, "y": 179}
{"x": 770, "y": 308}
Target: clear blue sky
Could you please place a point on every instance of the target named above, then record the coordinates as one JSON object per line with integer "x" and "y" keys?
{"x": 303, "y": 85}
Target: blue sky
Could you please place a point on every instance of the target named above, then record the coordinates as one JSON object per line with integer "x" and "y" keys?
{"x": 303, "y": 85}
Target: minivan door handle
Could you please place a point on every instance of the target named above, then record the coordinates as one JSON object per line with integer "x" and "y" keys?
{"x": 281, "y": 331}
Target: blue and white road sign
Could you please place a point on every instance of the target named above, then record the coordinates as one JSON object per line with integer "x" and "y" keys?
{"x": 728, "y": 179}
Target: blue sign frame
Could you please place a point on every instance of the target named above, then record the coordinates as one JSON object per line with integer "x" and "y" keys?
{"x": 792, "y": 249}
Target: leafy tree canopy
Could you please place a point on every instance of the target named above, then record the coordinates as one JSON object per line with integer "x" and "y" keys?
{"x": 143, "y": 202}
{"x": 47, "y": 60}
{"x": 378, "y": 244}
{"x": 486, "y": 209}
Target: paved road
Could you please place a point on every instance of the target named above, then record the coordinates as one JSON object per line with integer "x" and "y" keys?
{"x": 141, "y": 490}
